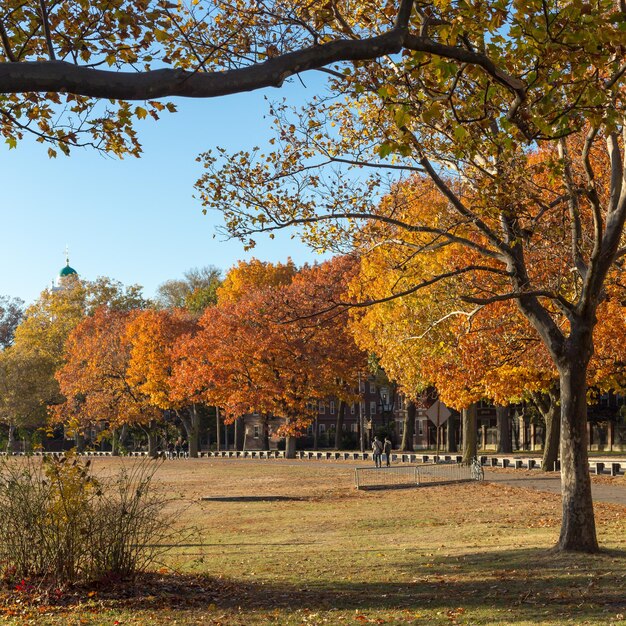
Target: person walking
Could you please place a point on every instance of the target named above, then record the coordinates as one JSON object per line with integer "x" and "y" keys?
{"x": 387, "y": 449}
{"x": 377, "y": 449}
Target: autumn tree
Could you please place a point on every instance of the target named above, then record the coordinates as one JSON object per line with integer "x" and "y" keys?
{"x": 194, "y": 292}
{"x": 268, "y": 350}
{"x": 94, "y": 381}
{"x": 11, "y": 312}
{"x": 152, "y": 337}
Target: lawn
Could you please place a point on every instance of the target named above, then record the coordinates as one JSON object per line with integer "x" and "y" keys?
{"x": 293, "y": 543}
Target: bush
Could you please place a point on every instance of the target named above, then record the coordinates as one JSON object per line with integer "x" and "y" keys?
{"x": 59, "y": 522}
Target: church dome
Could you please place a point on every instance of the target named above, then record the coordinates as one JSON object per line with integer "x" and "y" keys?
{"x": 67, "y": 271}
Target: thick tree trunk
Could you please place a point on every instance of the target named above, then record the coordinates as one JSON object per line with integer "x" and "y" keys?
{"x": 409, "y": 428}
{"x": 578, "y": 529}
{"x": 290, "y": 447}
{"x": 503, "y": 422}
{"x": 469, "y": 433}
{"x": 152, "y": 439}
{"x": 451, "y": 445}
{"x": 341, "y": 414}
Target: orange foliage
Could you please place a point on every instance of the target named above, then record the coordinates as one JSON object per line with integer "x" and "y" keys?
{"x": 93, "y": 378}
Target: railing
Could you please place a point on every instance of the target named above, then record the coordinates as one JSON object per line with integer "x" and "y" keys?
{"x": 398, "y": 476}
{"x": 392, "y": 477}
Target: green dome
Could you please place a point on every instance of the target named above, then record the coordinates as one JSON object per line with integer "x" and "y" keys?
{"x": 67, "y": 271}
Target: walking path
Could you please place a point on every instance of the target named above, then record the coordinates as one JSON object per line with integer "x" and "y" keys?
{"x": 613, "y": 492}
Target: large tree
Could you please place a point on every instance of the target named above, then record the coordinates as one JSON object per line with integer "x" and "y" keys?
{"x": 195, "y": 291}
{"x": 94, "y": 381}
{"x": 152, "y": 336}
{"x": 269, "y": 350}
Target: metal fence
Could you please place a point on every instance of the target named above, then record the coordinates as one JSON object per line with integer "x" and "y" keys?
{"x": 392, "y": 477}
{"x": 413, "y": 475}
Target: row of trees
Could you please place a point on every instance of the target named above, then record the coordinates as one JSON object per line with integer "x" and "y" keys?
{"x": 257, "y": 341}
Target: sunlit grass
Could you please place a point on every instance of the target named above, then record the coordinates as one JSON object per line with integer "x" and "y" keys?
{"x": 326, "y": 554}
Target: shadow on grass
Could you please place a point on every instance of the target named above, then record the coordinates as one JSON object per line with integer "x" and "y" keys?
{"x": 522, "y": 585}
{"x": 252, "y": 499}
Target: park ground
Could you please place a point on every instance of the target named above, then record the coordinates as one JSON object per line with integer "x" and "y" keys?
{"x": 295, "y": 543}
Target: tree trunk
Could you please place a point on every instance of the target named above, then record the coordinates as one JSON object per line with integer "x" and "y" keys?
{"x": 79, "y": 441}
{"x": 315, "y": 430}
{"x": 341, "y": 414}
{"x": 191, "y": 424}
{"x": 240, "y": 433}
{"x": 409, "y": 428}
{"x": 290, "y": 447}
{"x": 194, "y": 432}
{"x": 470, "y": 425}
{"x": 578, "y": 528}
{"x": 152, "y": 439}
{"x": 547, "y": 405}
{"x": 266, "y": 432}
{"x": 218, "y": 437}
{"x": 11, "y": 441}
{"x": 115, "y": 446}
{"x": 505, "y": 445}
{"x": 451, "y": 445}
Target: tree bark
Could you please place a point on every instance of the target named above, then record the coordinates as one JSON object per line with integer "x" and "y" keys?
{"x": 547, "y": 405}
{"x": 11, "y": 441}
{"x": 505, "y": 445}
{"x": 578, "y": 528}
{"x": 315, "y": 430}
{"x": 470, "y": 425}
{"x": 290, "y": 447}
{"x": 341, "y": 414}
{"x": 409, "y": 428}
{"x": 451, "y": 445}
{"x": 218, "y": 436}
{"x": 79, "y": 441}
{"x": 152, "y": 439}
{"x": 240, "y": 433}
{"x": 266, "y": 432}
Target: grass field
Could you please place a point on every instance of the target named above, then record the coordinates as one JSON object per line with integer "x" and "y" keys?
{"x": 285, "y": 543}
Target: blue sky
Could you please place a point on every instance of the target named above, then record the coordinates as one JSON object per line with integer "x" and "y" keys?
{"x": 133, "y": 220}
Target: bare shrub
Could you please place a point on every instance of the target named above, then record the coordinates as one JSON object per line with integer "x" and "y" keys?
{"x": 59, "y": 522}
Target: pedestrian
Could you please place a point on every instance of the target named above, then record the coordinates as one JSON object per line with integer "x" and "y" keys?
{"x": 377, "y": 449}
{"x": 387, "y": 449}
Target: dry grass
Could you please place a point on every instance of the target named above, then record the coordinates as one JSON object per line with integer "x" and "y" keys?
{"x": 294, "y": 543}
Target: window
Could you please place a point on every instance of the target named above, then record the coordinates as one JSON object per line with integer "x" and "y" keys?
{"x": 372, "y": 387}
{"x": 354, "y": 428}
{"x": 309, "y": 430}
{"x": 421, "y": 427}
{"x": 401, "y": 428}
{"x": 353, "y": 408}
{"x": 322, "y": 429}
{"x": 332, "y": 407}
{"x": 257, "y": 431}
{"x": 372, "y": 408}
{"x": 322, "y": 408}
